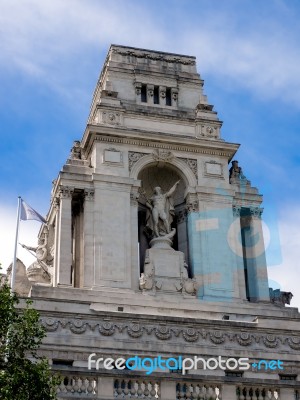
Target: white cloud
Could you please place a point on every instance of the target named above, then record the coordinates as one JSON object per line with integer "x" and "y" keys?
{"x": 47, "y": 39}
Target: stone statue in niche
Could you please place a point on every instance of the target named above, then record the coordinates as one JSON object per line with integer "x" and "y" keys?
{"x": 236, "y": 173}
{"x": 161, "y": 212}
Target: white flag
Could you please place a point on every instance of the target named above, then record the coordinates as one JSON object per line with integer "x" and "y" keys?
{"x": 28, "y": 212}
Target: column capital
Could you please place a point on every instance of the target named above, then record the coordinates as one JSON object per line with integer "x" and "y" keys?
{"x": 65, "y": 192}
{"x": 236, "y": 209}
{"x": 89, "y": 194}
{"x": 256, "y": 212}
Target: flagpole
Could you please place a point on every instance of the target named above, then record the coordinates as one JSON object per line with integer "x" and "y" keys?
{"x": 14, "y": 266}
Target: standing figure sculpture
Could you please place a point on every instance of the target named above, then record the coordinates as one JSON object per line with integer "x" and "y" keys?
{"x": 236, "y": 173}
{"x": 161, "y": 211}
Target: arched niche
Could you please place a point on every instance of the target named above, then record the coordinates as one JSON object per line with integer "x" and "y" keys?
{"x": 153, "y": 173}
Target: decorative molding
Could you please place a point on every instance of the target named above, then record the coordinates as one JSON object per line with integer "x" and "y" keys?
{"x": 133, "y": 157}
{"x": 158, "y": 145}
{"x": 192, "y": 164}
{"x": 155, "y": 56}
{"x": 136, "y": 329}
{"x": 111, "y": 118}
{"x": 162, "y": 155}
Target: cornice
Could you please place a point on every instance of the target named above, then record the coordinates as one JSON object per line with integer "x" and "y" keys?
{"x": 145, "y": 139}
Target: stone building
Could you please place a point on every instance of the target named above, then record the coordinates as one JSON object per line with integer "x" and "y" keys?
{"x": 154, "y": 248}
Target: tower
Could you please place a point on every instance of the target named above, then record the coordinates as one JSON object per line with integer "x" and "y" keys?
{"x": 156, "y": 248}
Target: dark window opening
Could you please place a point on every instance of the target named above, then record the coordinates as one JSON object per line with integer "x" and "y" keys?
{"x": 156, "y": 95}
{"x": 168, "y": 97}
{"x": 233, "y": 373}
{"x": 67, "y": 363}
{"x": 144, "y": 94}
{"x": 287, "y": 377}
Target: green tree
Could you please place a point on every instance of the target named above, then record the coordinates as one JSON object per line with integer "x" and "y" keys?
{"x": 23, "y": 375}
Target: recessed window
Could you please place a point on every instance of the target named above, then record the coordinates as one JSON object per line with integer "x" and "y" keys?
{"x": 144, "y": 94}
{"x": 287, "y": 377}
{"x": 168, "y": 97}
{"x": 156, "y": 95}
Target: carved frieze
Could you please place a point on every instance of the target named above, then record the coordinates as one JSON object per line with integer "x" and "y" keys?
{"x": 209, "y": 131}
{"x": 133, "y": 157}
{"x": 136, "y": 329}
{"x": 111, "y": 118}
{"x": 192, "y": 164}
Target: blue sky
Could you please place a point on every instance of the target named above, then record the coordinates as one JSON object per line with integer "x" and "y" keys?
{"x": 247, "y": 51}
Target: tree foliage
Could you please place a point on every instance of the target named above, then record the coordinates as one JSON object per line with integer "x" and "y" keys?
{"x": 23, "y": 375}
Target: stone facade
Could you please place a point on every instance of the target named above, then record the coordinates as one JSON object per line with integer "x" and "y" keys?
{"x": 196, "y": 286}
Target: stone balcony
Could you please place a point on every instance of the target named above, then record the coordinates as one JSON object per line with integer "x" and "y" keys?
{"x": 109, "y": 385}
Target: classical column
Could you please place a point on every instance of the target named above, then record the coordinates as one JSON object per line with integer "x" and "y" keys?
{"x": 174, "y": 94}
{"x": 150, "y": 94}
{"x": 135, "y": 271}
{"x": 138, "y": 91}
{"x": 182, "y": 233}
{"x": 259, "y": 256}
{"x": 234, "y": 238}
{"x": 162, "y": 95}
{"x": 56, "y": 241}
{"x": 88, "y": 238}
{"x": 194, "y": 244}
{"x": 64, "y": 265}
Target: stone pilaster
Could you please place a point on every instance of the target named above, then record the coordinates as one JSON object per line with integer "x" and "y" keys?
{"x": 64, "y": 255}
{"x": 135, "y": 259}
{"x": 88, "y": 237}
{"x": 260, "y": 273}
{"x": 234, "y": 239}
{"x": 150, "y": 94}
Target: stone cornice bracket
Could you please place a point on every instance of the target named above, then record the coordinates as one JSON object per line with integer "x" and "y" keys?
{"x": 256, "y": 212}
{"x": 89, "y": 194}
{"x": 162, "y": 156}
{"x": 65, "y": 192}
{"x": 236, "y": 209}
